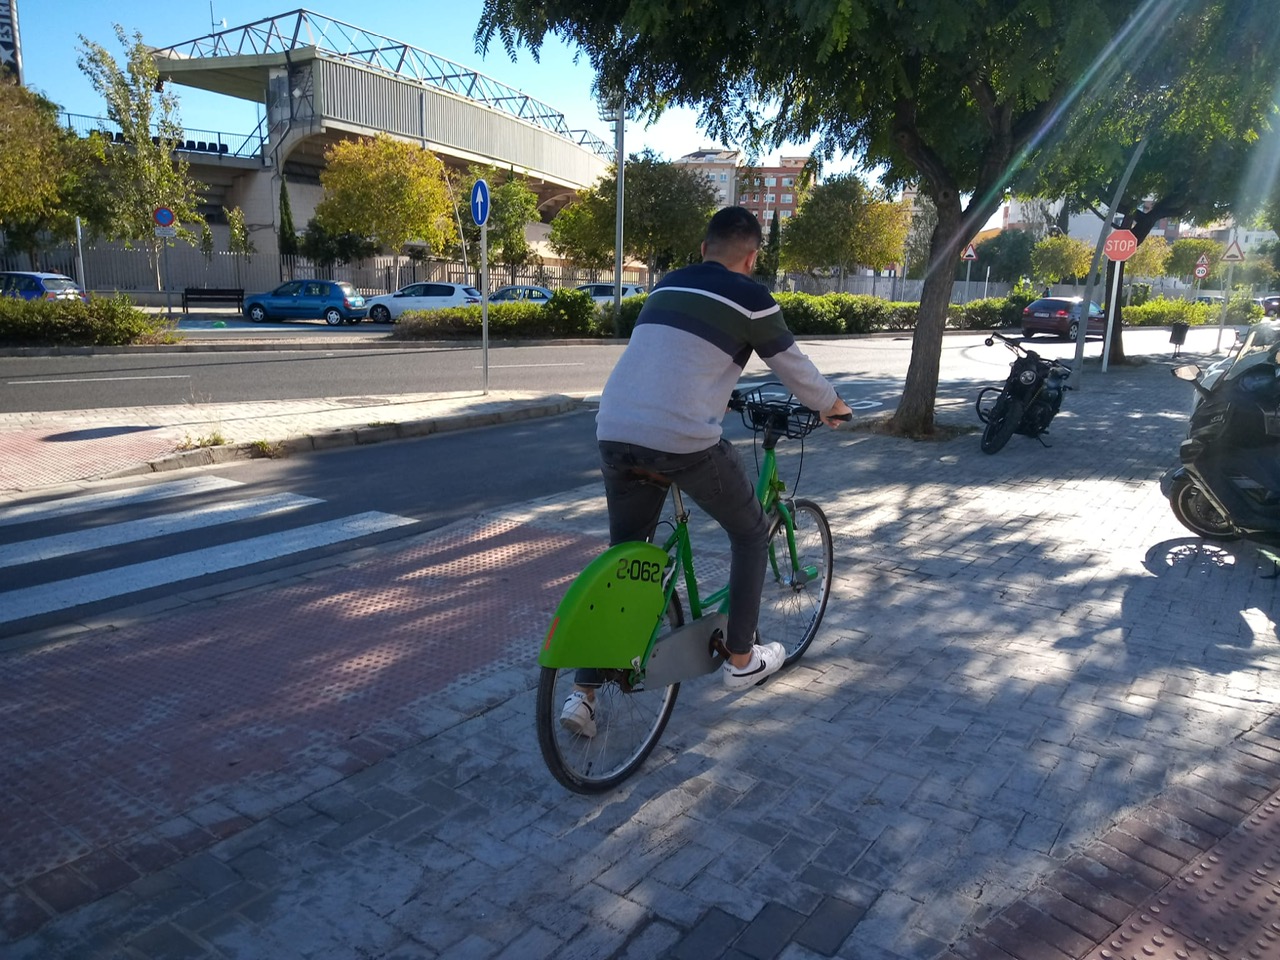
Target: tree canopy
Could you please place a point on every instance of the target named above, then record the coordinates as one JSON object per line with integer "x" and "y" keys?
{"x": 387, "y": 190}
{"x": 144, "y": 173}
{"x": 512, "y": 207}
{"x": 665, "y": 211}
{"x": 946, "y": 95}
{"x": 1060, "y": 258}
{"x": 843, "y": 224}
{"x": 1008, "y": 254}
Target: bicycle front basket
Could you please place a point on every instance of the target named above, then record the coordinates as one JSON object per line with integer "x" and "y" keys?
{"x": 782, "y": 413}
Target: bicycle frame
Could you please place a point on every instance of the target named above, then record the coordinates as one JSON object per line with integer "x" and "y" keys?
{"x": 599, "y": 622}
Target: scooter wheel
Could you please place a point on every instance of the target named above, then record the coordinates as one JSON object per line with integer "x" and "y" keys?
{"x": 1198, "y": 514}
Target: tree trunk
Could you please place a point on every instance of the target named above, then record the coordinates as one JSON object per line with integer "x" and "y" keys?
{"x": 914, "y": 416}
{"x": 1116, "y": 355}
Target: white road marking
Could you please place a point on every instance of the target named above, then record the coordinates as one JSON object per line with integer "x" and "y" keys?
{"x": 62, "y": 594}
{"x": 30, "y": 512}
{"x": 130, "y": 531}
{"x": 158, "y": 376}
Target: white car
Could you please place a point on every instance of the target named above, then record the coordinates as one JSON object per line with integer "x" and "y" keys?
{"x": 420, "y": 296}
{"x": 603, "y": 292}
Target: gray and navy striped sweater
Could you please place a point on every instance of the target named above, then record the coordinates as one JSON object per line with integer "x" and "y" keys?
{"x": 691, "y": 342}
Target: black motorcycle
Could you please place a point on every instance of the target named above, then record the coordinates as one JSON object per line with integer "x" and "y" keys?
{"x": 1226, "y": 484}
{"x": 1027, "y": 402}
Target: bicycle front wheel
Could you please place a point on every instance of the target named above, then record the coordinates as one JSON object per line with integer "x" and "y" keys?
{"x": 795, "y": 593}
{"x": 628, "y": 724}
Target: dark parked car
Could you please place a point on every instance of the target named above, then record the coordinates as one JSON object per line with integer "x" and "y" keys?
{"x": 334, "y": 301}
{"x": 39, "y": 286}
{"x": 1060, "y": 316}
{"x": 518, "y": 292}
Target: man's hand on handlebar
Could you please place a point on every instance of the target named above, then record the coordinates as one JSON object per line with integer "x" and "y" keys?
{"x": 838, "y": 414}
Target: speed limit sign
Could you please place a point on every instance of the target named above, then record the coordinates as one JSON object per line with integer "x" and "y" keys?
{"x": 1201, "y": 271}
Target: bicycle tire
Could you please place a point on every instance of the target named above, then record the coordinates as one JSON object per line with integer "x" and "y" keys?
{"x": 628, "y": 725}
{"x": 1002, "y": 421}
{"x": 792, "y": 606}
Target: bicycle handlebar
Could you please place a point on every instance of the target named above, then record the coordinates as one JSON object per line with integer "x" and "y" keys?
{"x": 782, "y": 416}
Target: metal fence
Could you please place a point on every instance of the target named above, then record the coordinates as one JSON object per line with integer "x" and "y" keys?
{"x": 111, "y": 267}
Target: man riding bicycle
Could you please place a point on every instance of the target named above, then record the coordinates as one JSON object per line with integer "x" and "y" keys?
{"x": 660, "y": 423}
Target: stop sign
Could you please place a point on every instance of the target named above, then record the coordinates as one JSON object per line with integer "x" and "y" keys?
{"x": 1121, "y": 245}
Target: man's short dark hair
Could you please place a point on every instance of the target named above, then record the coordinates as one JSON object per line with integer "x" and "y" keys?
{"x": 733, "y": 232}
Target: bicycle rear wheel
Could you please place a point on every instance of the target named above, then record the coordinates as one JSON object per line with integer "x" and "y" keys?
{"x": 628, "y": 725}
{"x": 795, "y": 597}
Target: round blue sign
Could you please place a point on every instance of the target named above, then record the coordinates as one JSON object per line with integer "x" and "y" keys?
{"x": 480, "y": 202}
{"x": 163, "y": 217}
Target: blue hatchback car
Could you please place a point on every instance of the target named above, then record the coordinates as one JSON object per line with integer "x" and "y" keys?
{"x": 334, "y": 301}
{"x": 30, "y": 285}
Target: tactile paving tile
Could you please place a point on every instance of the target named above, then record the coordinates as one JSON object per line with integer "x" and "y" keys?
{"x": 1229, "y": 899}
{"x": 1143, "y": 937}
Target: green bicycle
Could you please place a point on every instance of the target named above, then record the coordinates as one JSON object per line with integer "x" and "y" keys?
{"x": 623, "y": 618}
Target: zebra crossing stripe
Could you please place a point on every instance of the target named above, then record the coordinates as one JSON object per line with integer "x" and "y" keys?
{"x": 30, "y": 512}
{"x": 115, "y": 534}
{"x": 119, "y": 581}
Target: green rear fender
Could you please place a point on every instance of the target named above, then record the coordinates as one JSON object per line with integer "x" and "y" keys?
{"x": 610, "y": 611}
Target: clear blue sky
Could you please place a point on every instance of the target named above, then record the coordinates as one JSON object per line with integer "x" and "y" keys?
{"x": 51, "y": 29}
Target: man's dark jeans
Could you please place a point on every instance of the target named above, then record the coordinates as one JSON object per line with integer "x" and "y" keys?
{"x": 716, "y": 481}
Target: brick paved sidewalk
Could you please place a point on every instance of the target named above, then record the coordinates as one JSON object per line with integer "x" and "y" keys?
{"x": 1037, "y": 713}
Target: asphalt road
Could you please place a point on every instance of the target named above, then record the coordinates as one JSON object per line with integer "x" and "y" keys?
{"x": 228, "y": 375}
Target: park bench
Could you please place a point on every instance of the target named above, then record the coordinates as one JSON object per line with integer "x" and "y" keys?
{"x": 192, "y": 295}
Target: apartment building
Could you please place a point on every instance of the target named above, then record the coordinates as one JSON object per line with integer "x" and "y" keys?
{"x": 772, "y": 191}
{"x": 719, "y": 167}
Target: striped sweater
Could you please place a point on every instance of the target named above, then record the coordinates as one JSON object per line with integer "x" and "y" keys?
{"x": 691, "y": 342}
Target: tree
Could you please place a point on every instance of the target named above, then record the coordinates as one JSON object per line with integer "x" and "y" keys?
{"x": 1151, "y": 258}
{"x": 843, "y": 224}
{"x": 240, "y": 244}
{"x": 1198, "y": 95}
{"x": 287, "y": 240}
{"x": 1185, "y": 253}
{"x": 1060, "y": 258}
{"x": 325, "y": 248}
{"x": 48, "y": 175}
{"x": 1008, "y": 254}
{"x": 770, "y": 257}
{"x": 513, "y": 205}
{"x": 206, "y": 246}
{"x": 664, "y": 216}
{"x": 943, "y": 94}
{"x": 388, "y": 191}
{"x": 580, "y": 231}
{"x": 144, "y": 172}
{"x": 33, "y": 155}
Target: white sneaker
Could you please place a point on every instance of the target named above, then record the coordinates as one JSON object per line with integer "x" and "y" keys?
{"x": 766, "y": 659}
{"x": 579, "y": 714}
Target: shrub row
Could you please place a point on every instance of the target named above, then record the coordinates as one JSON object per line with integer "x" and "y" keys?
{"x": 103, "y": 321}
{"x": 571, "y": 313}
{"x": 1161, "y": 312}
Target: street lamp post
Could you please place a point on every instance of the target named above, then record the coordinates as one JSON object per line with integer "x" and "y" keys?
{"x": 616, "y": 113}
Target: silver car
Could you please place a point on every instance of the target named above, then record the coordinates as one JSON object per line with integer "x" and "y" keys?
{"x": 388, "y": 307}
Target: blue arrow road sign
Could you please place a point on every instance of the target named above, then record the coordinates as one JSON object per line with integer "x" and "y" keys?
{"x": 480, "y": 202}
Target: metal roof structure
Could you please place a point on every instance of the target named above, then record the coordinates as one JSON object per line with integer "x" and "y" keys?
{"x": 240, "y": 51}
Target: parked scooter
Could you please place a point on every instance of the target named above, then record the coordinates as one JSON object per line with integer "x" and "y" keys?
{"x": 1226, "y": 484}
{"x": 1029, "y": 399}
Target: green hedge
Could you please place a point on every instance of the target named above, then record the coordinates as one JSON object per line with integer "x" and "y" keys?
{"x": 103, "y": 321}
{"x": 569, "y": 313}
{"x": 1161, "y": 312}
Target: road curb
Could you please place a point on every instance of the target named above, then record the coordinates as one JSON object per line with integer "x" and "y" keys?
{"x": 348, "y": 437}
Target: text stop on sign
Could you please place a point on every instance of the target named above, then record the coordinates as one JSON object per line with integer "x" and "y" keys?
{"x": 1121, "y": 245}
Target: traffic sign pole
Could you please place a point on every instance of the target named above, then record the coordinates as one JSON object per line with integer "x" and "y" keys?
{"x": 480, "y": 213}
{"x": 484, "y": 303}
